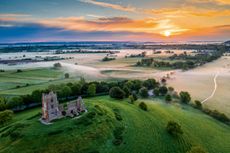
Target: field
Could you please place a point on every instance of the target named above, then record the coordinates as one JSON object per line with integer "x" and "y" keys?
{"x": 199, "y": 81}
{"x": 144, "y": 131}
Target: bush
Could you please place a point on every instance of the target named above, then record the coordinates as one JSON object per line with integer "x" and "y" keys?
{"x": 163, "y": 90}
{"x": 174, "y": 128}
{"x": 117, "y": 93}
{"x": 197, "y": 149}
{"x": 131, "y": 98}
{"x": 185, "y": 97}
{"x": 143, "y": 106}
{"x": 66, "y": 75}
{"x": 143, "y": 92}
{"x": 5, "y": 116}
{"x": 106, "y": 58}
{"x": 198, "y": 104}
{"x": 57, "y": 65}
{"x": 19, "y": 70}
{"x": 168, "y": 98}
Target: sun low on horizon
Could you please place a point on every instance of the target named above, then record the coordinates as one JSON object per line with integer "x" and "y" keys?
{"x": 107, "y": 20}
{"x": 167, "y": 33}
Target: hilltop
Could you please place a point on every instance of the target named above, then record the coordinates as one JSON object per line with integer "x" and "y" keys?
{"x": 137, "y": 130}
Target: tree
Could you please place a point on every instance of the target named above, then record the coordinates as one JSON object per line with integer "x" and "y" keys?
{"x": 156, "y": 92}
{"x": 19, "y": 70}
{"x": 27, "y": 99}
{"x": 143, "y": 106}
{"x": 163, "y": 90}
{"x": 76, "y": 89}
{"x": 143, "y": 92}
{"x": 37, "y": 96}
{"x": 174, "y": 128}
{"x": 117, "y": 93}
{"x": 91, "y": 90}
{"x": 126, "y": 90}
{"x": 65, "y": 91}
{"x": 66, "y": 75}
{"x": 185, "y": 97}
{"x": 5, "y": 116}
{"x": 57, "y": 65}
{"x": 150, "y": 83}
{"x": 136, "y": 84}
{"x": 168, "y": 98}
{"x": 197, "y": 149}
{"x": 170, "y": 89}
{"x": 14, "y": 102}
{"x": 130, "y": 85}
{"x": 198, "y": 104}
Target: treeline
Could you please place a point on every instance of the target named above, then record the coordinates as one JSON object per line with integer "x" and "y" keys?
{"x": 163, "y": 64}
{"x": 131, "y": 89}
{"x": 187, "y": 61}
{"x": 67, "y": 91}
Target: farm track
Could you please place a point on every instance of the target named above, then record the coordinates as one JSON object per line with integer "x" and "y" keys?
{"x": 214, "y": 90}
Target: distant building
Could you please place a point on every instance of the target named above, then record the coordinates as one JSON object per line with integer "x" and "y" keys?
{"x": 51, "y": 109}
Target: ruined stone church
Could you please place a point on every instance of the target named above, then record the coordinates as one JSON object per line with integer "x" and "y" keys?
{"x": 51, "y": 109}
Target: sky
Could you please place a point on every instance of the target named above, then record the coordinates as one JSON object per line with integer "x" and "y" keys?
{"x": 114, "y": 20}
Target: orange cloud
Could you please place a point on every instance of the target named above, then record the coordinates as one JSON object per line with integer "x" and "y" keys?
{"x": 219, "y": 2}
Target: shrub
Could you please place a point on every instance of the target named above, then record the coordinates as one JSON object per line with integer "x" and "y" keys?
{"x": 143, "y": 92}
{"x": 174, "y": 128}
{"x": 143, "y": 106}
{"x": 198, "y": 104}
{"x": 131, "y": 98}
{"x": 168, "y": 98}
{"x": 19, "y": 70}
{"x": 66, "y": 75}
{"x": 163, "y": 90}
{"x": 197, "y": 149}
{"x": 116, "y": 92}
{"x": 185, "y": 97}
{"x": 57, "y": 65}
{"x": 5, "y": 116}
{"x": 106, "y": 58}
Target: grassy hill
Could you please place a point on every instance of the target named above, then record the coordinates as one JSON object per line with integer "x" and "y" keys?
{"x": 143, "y": 132}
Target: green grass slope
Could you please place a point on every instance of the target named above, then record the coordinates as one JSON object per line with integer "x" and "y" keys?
{"x": 144, "y": 132}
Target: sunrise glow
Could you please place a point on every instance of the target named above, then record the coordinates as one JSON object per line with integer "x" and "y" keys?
{"x": 167, "y": 33}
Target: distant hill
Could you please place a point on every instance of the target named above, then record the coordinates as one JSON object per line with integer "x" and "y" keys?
{"x": 227, "y": 43}
{"x": 135, "y": 130}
